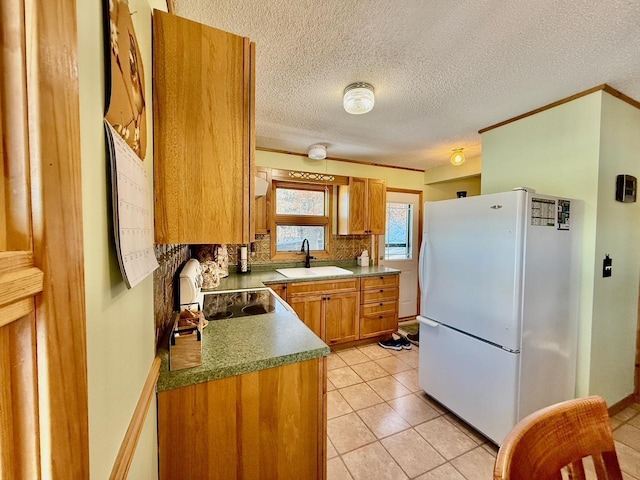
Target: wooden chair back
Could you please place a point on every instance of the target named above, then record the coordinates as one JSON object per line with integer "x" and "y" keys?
{"x": 559, "y": 436}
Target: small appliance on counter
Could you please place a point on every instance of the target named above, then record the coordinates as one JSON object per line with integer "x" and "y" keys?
{"x": 191, "y": 281}
{"x": 243, "y": 262}
{"x": 185, "y": 344}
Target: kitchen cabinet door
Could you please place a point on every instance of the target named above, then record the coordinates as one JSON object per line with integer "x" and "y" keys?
{"x": 377, "y": 206}
{"x": 311, "y": 310}
{"x": 362, "y": 207}
{"x": 267, "y": 424}
{"x": 279, "y": 289}
{"x": 263, "y": 204}
{"x": 341, "y": 317}
{"x": 203, "y": 133}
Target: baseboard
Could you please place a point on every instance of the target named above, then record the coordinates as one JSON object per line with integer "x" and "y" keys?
{"x": 621, "y": 405}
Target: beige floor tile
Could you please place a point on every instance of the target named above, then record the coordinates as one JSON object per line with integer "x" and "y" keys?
{"x": 445, "y": 472}
{"x": 629, "y": 435}
{"x": 466, "y": 428}
{"x": 475, "y": 465}
{"x": 337, "y": 471}
{"x": 337, "y": 405}
{"x": 635, "y": 421}
{"x": 343, "y": 377}
{"x": 432, "y": 403}
{"x": 353, "y": 356}
{"x": 331, "y": 450}
{"x": 348, "y": 433}
{"x": 375, "y": 351}
{"x": 369, "y": 370}
{"x": 330, "y": 386}
{"x": 389, "y": 388}
{"x": 492, "y": 448}
{"x": 413, "y": 409}
{"x": 445, "y": 437}
{"x": 382, "y": 420}
{"x": 360, "y": 396}
{"x": 629, "y": 459}
{"x": 615, "y": 423}
{"x": 626, "y": 414}
{"x": 334, "y": 361}
{"x": 373, "y": 462}
{"x": 412, "y": 452}
{"x": 410, "y": 357}
{"x": 393, "y": 365}
{"x": 409, "y": 379}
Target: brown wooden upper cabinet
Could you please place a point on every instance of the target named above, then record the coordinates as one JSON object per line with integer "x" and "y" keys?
{"x": 263, "y": 204}
{"x": 362, "y": 206}
{"x": 204, "y": 139}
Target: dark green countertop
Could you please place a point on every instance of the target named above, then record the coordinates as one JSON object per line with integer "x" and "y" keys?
{"x": 261, "y": 278}
{"x": 246, "y": 344}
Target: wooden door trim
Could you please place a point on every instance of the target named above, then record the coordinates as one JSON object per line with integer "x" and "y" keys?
{"x": 132, "y": 436}
{"x": 420, "y": 226}
{"x": 56, "y": 196}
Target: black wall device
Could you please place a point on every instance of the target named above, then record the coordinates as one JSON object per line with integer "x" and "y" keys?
{"x": 606, "y": 266}
{"x": 626, "y": 186}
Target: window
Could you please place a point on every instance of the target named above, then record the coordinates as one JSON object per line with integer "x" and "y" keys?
{"x": 397, "y": 238}
{"x": 301, "y": 211}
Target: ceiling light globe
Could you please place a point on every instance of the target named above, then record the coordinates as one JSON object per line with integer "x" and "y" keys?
{"x": 457, "y": 157}
{"x": 317, "y": 152}
{"x": 358, "y": 98}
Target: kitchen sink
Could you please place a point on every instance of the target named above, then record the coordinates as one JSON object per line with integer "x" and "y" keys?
{"x": 302, "y": 272}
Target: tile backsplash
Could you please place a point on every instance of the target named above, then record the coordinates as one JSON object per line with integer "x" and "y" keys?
{"x": 345, "y": 247}
{"x": 165, "y": 284}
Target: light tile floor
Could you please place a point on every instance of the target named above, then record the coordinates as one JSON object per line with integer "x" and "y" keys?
{"x": 381, "y": 425}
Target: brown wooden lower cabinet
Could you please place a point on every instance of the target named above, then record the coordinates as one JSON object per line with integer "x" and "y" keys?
{"x": 269, "y": 424}
{"x": 379, "y": 305}
{"x": 310, "y": 309}
{"x": 330, "y": 308}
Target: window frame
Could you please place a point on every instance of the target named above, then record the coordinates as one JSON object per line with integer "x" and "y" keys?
{"x": 326, "y": 221}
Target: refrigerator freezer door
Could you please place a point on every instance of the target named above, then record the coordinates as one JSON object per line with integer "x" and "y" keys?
{"x": 475, "y": 380}
{"x": 472, "y": 261}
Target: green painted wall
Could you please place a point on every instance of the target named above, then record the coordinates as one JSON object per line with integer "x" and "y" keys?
{"x": 472, "y": 167}
{"x": 573, "y": 150}
{"x": 120, "y": 322}
{"x": 448, "y": 189}
{"x": 615, "y": 311}
{"x": 395, "y": 177}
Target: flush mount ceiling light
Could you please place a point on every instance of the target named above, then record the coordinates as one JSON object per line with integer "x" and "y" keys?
{"x": 317, "y": 152}
{"x": 358, "y": 98}
{"x": 457, "y": 157}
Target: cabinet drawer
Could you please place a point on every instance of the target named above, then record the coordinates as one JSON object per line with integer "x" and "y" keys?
{"x": 379, "y": 281}
{"x": 374, "y": 325}
{"x": 328, "y": 286}
{"x": 379, "y": 308}
{"x": 379, "y": 295}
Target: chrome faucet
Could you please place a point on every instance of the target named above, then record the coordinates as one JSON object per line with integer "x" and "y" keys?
{"x": 308, "y": 257}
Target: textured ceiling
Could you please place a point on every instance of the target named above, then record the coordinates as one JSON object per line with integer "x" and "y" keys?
{"x": 442, "y": 70}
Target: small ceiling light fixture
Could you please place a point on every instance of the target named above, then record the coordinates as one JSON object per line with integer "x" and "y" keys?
{"x": 317, "y": 152}
{"x": 457, "y": 157}
{"x": 358, "y": 98}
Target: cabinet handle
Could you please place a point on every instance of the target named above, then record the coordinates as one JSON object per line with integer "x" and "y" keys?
{"x": 381, "y": 278}
{"x": 381, "y": 290}
{"x": 328, "y": 298}
{"x": 381, "y": 304}
{"x": 379, "y": 316}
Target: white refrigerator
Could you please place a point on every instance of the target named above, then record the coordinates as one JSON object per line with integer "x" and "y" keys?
{"x": 499, "y": 283}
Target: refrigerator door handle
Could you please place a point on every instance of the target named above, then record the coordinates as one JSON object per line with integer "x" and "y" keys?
{"x": 427, "y": 321}
{"x": 422, "y": 260}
